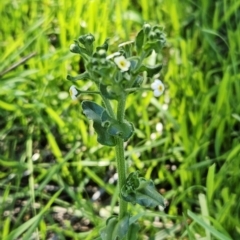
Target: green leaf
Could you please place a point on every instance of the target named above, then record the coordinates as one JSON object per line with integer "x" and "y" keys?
{"x": 106, "y": 127}
{"x": 137, "y": 81}
{"x": 133, "y": 231}
{"x": 28, "y": 227}
{"x": 156, "y": 45}
{"x": 103, "y": 137}
{"x": 139, "y": 41}
{"x": 208, "y": 227}
{"x": 151, "y": 70}
{"x": 82, "y": 76}
{"x": 75, "y": 48}
{"x": 141, "y": 191}
{"x": 94, "y": 112}
{"x": 123, "y": 130}
{"x": 115, "y": 229}
{"x": 135, "y": 62}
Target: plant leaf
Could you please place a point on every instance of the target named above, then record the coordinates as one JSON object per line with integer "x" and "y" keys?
{"x": 115, "y": 229}
{"x": 123, "y": 130}
{"x": 94, "y": 112}
{"x": 156, "y": 45}
{"x": 82, "y": 76}
{"x": 141, "y": 191}
{"x": 151, "y": 70}
{"x": 133, "y": 231}
{"x": 140, "y": 41}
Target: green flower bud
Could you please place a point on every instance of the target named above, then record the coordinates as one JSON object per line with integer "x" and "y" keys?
{"x": 158, "y": 33}
{"x": 152, "y": 36}
{"x": 146, "y": 28}
{"x": 74, "y": 48}
{"x": 94, "y": 61}
{"x": 103, "y": 61}
{"x": 89, "y": 39}
{"x": 102, "y": 53}
{"x": 86, "y": 39}
{"x": 81, "y": 39}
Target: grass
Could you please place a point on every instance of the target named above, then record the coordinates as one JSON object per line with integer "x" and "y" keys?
{"x": 187, "y": 141}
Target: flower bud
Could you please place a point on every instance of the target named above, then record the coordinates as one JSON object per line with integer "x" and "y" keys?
{"x": 146, "y": 28}
{"x": 158, "y": 33}
{"x": 102, "y": 53}
{"x": 74, "y": 48}
{"x": 89, "y": 39}
{"x": 94, "y": 61}
{"x": 152, "y": 36}
{"x": 81, "y": 39}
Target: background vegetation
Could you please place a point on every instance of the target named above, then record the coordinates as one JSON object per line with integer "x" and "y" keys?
{"x": 57, "y": 182}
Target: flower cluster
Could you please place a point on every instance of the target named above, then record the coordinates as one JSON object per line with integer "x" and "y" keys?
{"x": 120, "y": 72}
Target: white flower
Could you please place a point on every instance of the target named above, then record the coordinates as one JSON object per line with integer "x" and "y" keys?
{"x": 157, "y": 87}
{"x": 122, "y": 63}
{"x": 73, "y": 92}
{"x": 113, "y": 55}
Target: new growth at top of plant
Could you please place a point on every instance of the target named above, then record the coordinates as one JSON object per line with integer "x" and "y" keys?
{"x": 116, "y": 76}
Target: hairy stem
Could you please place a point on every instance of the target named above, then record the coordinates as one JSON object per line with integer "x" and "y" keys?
{"x": 119, "y": 151}
{"x": 121, "y": 165}
{"x": 108, "y": 106}
{"x": 121, "y": 168}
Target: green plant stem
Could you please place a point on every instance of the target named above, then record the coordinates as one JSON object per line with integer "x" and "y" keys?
{"x": 121, "y": 169}
{"x": 119, "y": 151}
{"x": 108, "y": 106}
{"x": 121, "y": 165}
{"x": 121, "y": 108}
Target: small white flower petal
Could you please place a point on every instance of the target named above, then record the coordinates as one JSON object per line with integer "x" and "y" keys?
{"x": 73, "y": 92}
{"x": 122, "y": 63}
{"x": 157, "y": 87}
{"x": 157, "y": 93}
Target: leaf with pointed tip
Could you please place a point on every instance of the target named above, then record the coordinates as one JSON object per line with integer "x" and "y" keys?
{"x": 151, "y": 70}
{"x": 139, "y": 41}
{"x": 78, "y": 49}
{"x": 141, "y": 191}
{"x": 82, "y": 76}
{"x": 94, "y": 112}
